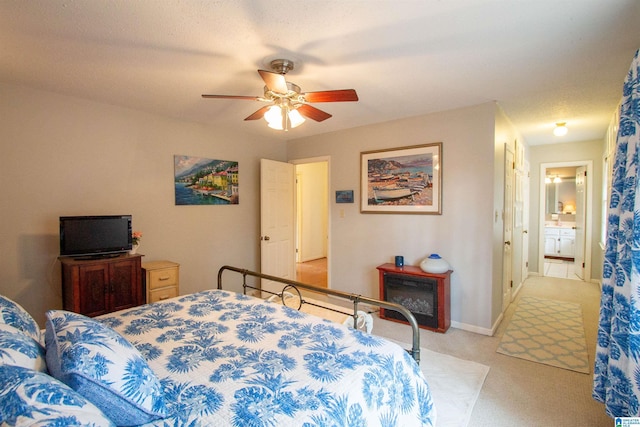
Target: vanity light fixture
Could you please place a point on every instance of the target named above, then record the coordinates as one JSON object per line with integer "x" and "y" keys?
{"x": 560, "y": 129}
{"x": 547, "y": 180}
{"x": 557, "y": 180}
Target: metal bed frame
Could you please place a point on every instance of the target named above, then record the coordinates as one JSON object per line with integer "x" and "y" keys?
{"x": 355, "y": 298}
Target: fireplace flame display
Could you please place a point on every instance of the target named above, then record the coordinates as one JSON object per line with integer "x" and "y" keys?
{"x": 418, "y": 294}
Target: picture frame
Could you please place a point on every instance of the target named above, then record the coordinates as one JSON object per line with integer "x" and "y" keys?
{"x": 344, "y": 196}
{"x": 404, "y": 180}
{"x": 203, "y": 181}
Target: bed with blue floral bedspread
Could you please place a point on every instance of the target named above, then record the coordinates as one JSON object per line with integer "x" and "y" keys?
{"x": 214, "y": 358}
{"x": 228, "y": 359}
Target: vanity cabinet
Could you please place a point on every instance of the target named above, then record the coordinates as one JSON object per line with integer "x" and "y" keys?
{"x": 559, "y": 242}
{"x": 98, "y": 286}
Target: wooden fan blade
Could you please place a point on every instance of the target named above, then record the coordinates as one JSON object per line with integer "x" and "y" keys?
{"x": 251, "y": 98}
{"x": 331, "y": 96}
{"x": 258, "y": 114}
{"x": 313, "y": 113}
{"x": 274, "y": 81}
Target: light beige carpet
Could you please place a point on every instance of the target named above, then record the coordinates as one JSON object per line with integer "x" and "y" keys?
{"x": 454, "y": 383}
{"x": 547, "y": 331}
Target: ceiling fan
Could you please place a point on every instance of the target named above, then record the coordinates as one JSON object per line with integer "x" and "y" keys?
{"x": 288, "y": 104}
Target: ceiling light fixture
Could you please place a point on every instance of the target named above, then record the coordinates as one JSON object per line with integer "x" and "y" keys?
{"x": 560, "y": 129}
{"x": 283, "y": 116}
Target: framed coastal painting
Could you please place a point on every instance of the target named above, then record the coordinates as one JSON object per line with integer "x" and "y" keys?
{"x": 405, "y": 180}
{"x": 201, "y": 181}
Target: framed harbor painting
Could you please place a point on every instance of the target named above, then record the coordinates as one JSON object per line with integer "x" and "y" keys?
{"x": 201, "y": 181}
{"x": 402, "y": 180}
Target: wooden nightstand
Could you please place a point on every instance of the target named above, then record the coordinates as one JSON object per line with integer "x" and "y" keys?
{"x": 161, "y": 280}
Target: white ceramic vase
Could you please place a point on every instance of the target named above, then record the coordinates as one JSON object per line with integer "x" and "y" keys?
{"x": 434, "y": 263}
{"x": 134, "y": 249}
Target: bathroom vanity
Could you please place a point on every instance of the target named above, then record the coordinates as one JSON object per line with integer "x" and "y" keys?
{"x": 559, "y": 241}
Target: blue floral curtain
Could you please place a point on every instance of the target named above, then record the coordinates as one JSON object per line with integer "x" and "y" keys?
{"x": 616, "y": 380}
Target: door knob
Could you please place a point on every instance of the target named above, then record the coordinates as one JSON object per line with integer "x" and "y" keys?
{"x": 265, "y": 238}
{"x": 508, "y": 242}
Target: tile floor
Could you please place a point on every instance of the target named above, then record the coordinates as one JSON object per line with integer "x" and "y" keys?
{"x": 559, "y": 268}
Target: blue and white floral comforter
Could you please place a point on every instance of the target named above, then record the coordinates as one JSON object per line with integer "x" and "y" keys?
{"x": 229, "y": 359}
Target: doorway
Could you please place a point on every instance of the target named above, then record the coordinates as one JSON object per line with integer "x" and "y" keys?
{"x": 565, "y": 220}
{"x": 312, "y": 221}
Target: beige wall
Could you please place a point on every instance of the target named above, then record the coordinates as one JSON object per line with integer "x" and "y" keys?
{"x": 463, "y": 234}
{"x": 65, "y": 156}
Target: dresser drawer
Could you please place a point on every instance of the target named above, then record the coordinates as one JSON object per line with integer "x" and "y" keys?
{"x": 162, "y": 294}
{"x": 162, "y": 278}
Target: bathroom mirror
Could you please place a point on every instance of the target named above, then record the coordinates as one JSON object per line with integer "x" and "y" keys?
{"x": 560, "y": 197}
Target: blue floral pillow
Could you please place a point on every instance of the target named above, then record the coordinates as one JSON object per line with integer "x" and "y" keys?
{"x": 31, "y": 398}
{"x": 104, "y": 367}
{"x": 19, "y": 349}
{"x": 12, "y": 313}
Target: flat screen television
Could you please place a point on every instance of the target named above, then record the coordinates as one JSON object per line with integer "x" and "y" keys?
{"x": 95, "y": 236}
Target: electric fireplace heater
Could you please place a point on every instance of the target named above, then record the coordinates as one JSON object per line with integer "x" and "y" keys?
{"x": 426, "y": 295}
{"x": 418, "y": 295}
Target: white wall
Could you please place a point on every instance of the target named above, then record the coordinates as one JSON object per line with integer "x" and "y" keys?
{"x": 67, "y": 156}
{"x": 463, "y": 234}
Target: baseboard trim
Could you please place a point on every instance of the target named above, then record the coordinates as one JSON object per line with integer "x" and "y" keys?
{"x": 476, "y": 329}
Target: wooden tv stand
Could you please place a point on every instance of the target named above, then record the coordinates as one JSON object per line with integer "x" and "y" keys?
{"x": 98, "y": 286}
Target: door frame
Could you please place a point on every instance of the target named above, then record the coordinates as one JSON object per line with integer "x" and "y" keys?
{"x": 507, "y": 226}
{"x": 319, "y": 159}
{"x": 588, "y": 224}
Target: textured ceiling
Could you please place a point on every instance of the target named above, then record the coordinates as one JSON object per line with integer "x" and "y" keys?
{"x": 541, "y": 61}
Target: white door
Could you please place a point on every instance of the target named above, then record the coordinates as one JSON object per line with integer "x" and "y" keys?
{"x": 581, "y": 184}
{"x": 525, "y": 221}
{"x": 277, "y": 222}
{"x": 507, "y": 259}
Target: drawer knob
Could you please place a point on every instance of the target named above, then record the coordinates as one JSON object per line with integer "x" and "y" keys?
{"x": 165, "y": 278}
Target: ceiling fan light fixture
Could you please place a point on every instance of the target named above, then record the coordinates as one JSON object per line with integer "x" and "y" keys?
{"x": 273, "y": 116}
{"x": 289, "y": 105}
{"x": 295, "y": 118}
{"x": 282, "y": 117}
{"x": 560, "y": 129}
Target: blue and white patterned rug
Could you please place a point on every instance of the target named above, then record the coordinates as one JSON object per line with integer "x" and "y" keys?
{"x": 547, "y": 331}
